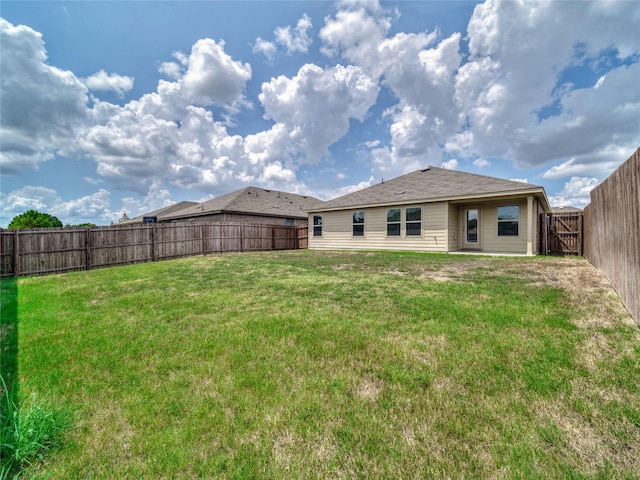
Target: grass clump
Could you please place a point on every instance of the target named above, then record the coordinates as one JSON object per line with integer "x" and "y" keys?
{"x": 27, "y": 431}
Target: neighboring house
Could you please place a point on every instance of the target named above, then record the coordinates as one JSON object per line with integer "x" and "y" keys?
{"x": 567, "y": 209}
{"x": 250, "y": 205}
{"x": 176, "y": 207}
{"x": 433, "y": 210}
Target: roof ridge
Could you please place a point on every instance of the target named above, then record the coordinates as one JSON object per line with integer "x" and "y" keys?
{"x": 482, "y": 175}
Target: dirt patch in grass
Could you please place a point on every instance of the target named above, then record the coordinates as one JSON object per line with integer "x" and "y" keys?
{"x": 369, "y": 389}
{"x": 580, "y": 280}
{"x": 581, "y": 439}
{"x": 451, "y": 272}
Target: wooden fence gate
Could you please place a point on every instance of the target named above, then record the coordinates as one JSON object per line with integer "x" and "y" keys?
{"x": 562, "y": 233}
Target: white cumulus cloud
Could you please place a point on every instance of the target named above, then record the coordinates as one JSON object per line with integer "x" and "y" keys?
{"x": 41, "y": 104}
{"x": 213, "y": 77}
{"x": 316, "y": 105}
{"x": 104, "y": 81}
{"x": 94, "y": 208}
{"x": 450, "y": 164}
{"x": 576, "y": 193}
{"x": 518, "y": 55}
{"x": 267, "y": 48}
{"x": 295, "y": 40}
{"x": 292, "y": 39}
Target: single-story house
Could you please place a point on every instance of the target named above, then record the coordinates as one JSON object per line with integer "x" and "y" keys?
{"x": 250, "y": 205}
{"x": 176, "y": 207}
{"x": 433, "y": 210}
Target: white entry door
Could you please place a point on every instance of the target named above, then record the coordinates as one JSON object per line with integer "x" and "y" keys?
{"x": 471, "y": 228}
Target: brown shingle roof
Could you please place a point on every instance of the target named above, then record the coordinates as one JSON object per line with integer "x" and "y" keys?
{"x": 428, "y": 185}
{"x": 176, "y": 207}
{"x": 253, "y": 201}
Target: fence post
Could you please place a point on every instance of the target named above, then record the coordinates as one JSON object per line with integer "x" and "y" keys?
{"x": 87, "y": 248}
{"x": 153, "y": 242}
{"x": 16, "y": 253}
{"x": 273, "y": 238}
{"x": 204, "y": 247}
{"x": 241, "y": 235}
{"x": 581, "y": 234}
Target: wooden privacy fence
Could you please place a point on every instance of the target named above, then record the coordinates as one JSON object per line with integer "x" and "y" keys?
{"x": 34, "y": 252}
{"x": 562, "y": 233}
{"x": 612, "y": 231}
{"x": 303, "y": 236}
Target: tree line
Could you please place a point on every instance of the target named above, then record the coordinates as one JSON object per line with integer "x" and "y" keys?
{"x": 36, "y": 219}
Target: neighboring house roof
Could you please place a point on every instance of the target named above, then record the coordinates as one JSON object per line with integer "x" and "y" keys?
{"x": 565, "y": 210}
{"x": 432, "y": 184}
{"x": 176, "y": 207}
{"x": 250, "y": 201}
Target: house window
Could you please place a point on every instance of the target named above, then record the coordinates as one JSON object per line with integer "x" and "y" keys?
{"x": 508, "y": 219}
{"x": 317, "y": 225}
{"x": 289, "y": 222}
{"x": 358, "y": 224}
{"x": 393, "y": 222}
{"x": 414, "y": 221}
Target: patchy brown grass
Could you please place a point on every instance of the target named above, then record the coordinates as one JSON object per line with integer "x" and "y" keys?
{"x": 338, "y": 365}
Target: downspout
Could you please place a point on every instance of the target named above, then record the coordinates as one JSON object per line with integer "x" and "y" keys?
{"x": 530, "y": 225}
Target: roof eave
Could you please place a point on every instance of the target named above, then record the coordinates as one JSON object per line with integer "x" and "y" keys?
{"x": 539, "y": 191}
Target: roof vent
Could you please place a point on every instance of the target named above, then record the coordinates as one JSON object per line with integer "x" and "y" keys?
{"x": 425, "y": 169}
{"x": 400, "y": 193}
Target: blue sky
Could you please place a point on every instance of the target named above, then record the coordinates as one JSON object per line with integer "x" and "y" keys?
{"x": 125, "y": 107}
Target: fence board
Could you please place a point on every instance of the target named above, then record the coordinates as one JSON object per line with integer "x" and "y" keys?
{"x": 302, "y": 236}
{"x": 33, "y": 252}
{"x": 50, "y": 250}
{"x": 119, "y": 246}
{"x": 7, "y": 260}
{"x": 612, "y": 231}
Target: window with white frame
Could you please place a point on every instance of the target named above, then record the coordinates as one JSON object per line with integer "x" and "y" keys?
{"x": 358, "y": 224}
{"x": 508, "y": 220}
{"x": 317, "y": 225}
{"x": 413, "y": 221}
{"x": 393, "y": 222}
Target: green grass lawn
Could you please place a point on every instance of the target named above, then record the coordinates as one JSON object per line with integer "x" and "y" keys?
{"x": 334, "y": 365}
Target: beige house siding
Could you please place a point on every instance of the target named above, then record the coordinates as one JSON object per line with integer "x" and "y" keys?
{"x": 442, "y": 228}
{"x": 453, "y": 228}
{"x": 490, "y": 240}
{"x": 337, "y": 230}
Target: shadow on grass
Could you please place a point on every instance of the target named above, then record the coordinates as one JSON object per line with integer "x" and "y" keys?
{"x": 27, "y": 429}
{"x": 9, "y": 333}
